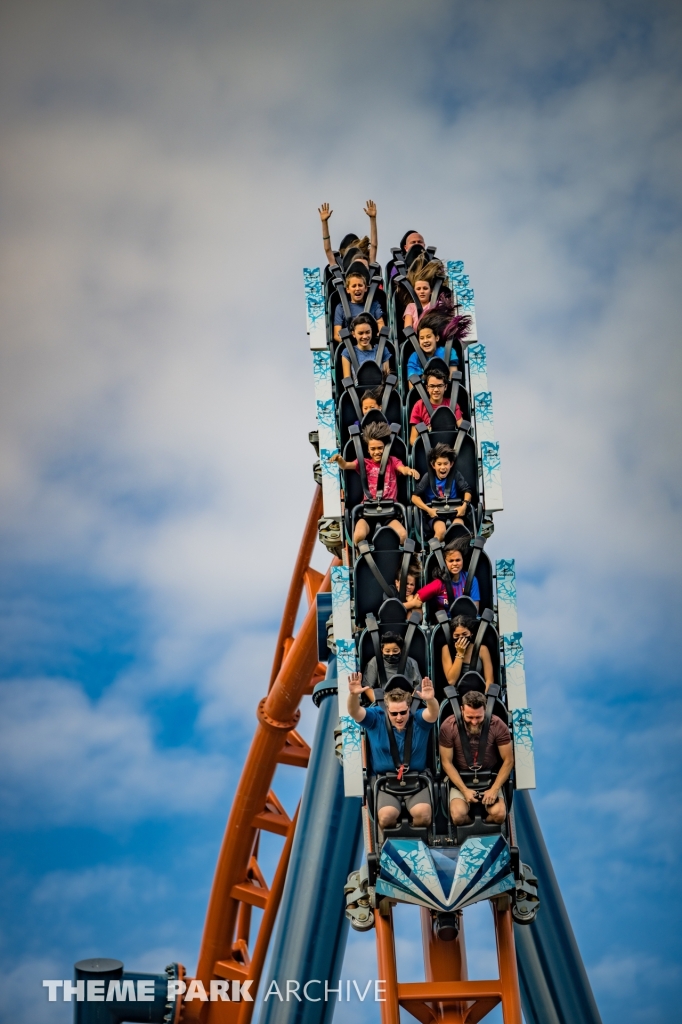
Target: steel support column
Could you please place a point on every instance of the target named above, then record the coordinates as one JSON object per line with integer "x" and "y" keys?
{"x": 312, "y": 927}
{"x": 554, "y": 985}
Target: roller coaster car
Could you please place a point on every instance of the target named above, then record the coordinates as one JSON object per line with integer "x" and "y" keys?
{"x": 376, "y": 510}
{"x": 411, "y": 345}
{"x": 433, "y": 867}
{"x": 350, "y": 408}
{"x": 368, "y": 374}
{"x": 476, "y": 565}
{"x": 455, "y": 395}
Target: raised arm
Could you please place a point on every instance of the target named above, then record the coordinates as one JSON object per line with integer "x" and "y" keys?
{"x": 428, "y": 694}
{"x": 355, "y": 687}
{"x": 325, "y": 213}
{"x": 371, "y": 211}
{"x": 342, "y": 462}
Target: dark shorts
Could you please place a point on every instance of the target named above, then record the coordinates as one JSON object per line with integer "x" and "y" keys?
{"x": 385, "y": 799}
{"x": 428, "y": 523}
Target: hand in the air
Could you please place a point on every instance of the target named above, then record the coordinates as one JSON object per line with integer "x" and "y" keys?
{"x": 427, "y": 691}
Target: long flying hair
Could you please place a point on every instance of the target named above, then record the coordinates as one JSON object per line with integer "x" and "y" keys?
{"x": 445, "y": 323}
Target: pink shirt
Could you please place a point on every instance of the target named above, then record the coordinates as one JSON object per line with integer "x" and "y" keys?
{"x": 390, "y": 479}
{"x": 420, "y": 415}
{"x": 411, "y": 310}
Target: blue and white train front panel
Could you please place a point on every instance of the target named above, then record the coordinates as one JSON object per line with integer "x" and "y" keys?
{"x": 445, "y": 878}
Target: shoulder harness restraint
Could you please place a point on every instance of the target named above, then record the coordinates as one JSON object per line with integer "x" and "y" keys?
{"x": 365, "y": 550}
{"x": 408, "y": 551}
{"x": 474, "y": 760}
{"x": 478, "y": 545}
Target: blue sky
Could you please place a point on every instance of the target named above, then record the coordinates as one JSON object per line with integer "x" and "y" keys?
{"x": 161, "y": 165}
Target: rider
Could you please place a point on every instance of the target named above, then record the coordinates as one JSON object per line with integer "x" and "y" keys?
{"x": 498, "y": 756}
{"x": 398, "y": 741}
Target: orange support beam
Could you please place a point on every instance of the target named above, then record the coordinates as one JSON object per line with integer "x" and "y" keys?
{"x": 237, "y": 882}
{"x": 299, "y": 578}
{"x": 447, "y": 996}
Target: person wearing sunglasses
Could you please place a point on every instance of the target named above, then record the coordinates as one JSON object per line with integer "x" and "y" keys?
{"x": 410, "y": 733}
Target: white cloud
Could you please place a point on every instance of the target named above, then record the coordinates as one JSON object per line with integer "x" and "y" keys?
{"x": 68, "y": 759}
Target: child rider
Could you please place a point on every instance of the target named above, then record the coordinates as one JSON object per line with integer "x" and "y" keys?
{"x": 375, "y": 436}
{"x": 363, "y": 329}
{"x": 436, "y": 384}
{"x": 434, "y": 329}
{"x": 357, "y": 286}
{"x": 441, "y": 458}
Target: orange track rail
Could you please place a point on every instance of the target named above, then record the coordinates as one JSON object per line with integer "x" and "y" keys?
{"x": 239, "y": 884}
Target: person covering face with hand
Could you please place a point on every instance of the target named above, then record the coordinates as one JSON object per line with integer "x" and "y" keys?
{"x": 463, "y": 631}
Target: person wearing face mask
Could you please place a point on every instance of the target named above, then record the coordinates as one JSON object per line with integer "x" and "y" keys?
{"x": 391, "y": 650}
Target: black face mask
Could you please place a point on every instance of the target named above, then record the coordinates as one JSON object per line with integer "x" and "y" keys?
{"x": 391, "y": 659}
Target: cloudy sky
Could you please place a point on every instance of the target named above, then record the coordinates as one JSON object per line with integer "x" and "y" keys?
{"x": 161, "y": 164}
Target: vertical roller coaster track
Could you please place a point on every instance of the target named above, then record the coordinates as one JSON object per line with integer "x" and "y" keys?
{"x": 318, "y": 886}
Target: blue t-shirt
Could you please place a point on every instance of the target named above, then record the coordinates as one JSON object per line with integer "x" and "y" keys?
{"x": 414, "y": 366}
{"x": 356, "y": 309}
{"x": 364, "y": 355}
{"x": 374, "y": 723}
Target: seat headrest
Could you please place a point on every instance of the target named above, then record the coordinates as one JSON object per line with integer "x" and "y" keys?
{"x": 361, "y": 269}
{"x": 470, "y": 681}
{"x": 399, "y": 682}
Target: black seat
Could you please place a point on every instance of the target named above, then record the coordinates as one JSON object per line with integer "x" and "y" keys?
{"x": 377, "y": 567}
{"x": 411, "y": 345}
{"x": 466, "y": 463}
{"x": 353, "y": 487}
{"x": 349, "y": 408}
{"x": 455, "y": 394}
{"x": 375, "y": 782}
{"x": 369, "y": 374}
{"x": 390, "y": 621}
{"x": 478, "y": 780}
